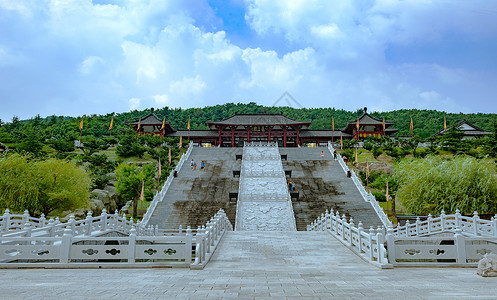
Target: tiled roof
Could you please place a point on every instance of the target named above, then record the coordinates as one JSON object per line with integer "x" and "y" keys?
{"x": 259, "y": 119}
{"x": 323, "y": 133}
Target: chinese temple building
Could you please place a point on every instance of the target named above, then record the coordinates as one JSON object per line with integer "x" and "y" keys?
{"x": 470, "y": 131}
{"x": 369, "y": 126}
{"x": 151, "y": 124}
{"x": 240, "y": 128}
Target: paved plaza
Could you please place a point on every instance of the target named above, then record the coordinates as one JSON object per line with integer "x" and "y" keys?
{"x": 256, "y": 265}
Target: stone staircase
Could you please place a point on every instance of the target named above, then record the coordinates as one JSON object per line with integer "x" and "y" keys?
{"x": 196, "y": 195}
{"x": 322, "y": 185}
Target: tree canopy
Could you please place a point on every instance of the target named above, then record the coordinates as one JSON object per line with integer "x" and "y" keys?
{"x": 434, "y": 183}
{"x": 42, "y": 186}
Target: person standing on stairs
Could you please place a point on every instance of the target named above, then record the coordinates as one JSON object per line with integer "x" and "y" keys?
{"x": 192, "y": 163}
{"x": 322, "y": 155}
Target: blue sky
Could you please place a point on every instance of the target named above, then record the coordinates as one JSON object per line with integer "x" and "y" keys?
{"x": 75, "y": 57}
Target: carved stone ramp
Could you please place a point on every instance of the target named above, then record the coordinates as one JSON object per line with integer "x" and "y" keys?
{"x": 322, "y": 185}
{"x": 196, "y": 195}
{"x": 263, "y": 199}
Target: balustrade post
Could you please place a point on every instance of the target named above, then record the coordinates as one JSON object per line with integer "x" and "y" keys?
{"x": 460, "y": 246}
{"x": 132, "y": 246}
{"x": 72, "y": 224}
{"x": 188, "y": 246}
{"x": 27, "y": 229}
{"x": 344, "y": 219}
{"x": 495, "y": 225}
{"x": 6, "y": 221}
{"x": 116, "y": 219}
{"x": 458, "y": 218}
{"x": 180, "y": 229}
{"x": 65, "y": 246}
{"x": 103, "y": 220}
{"x": 321, "y": 223}
{"x": 390, "y": 245}
{"x": 41, "y": 223}
{"x": 88, "y": 223}
{"x": 476, "y": 221}
{"x": 51, "y": 227}
{"x": 442, "y": 220}
{"x": 371, "y": 234}
{"x": 25, "y": 218}
{"x": 337, "y": 217}
{"x": 407, "y": 227}
{"x": 380, "y": 240}
{"x": 418, "y": 220}
{"x": 213, "y": 234}
{"x": 351, "y": 224}
{"x": 429, "y": 223}
{"x": 200, "y": 239}
{"x": 360, "y": 229}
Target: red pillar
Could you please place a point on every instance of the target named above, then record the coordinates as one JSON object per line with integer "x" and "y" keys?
{"x": 298, "y": 136}
{"x": 269, "y": 134}
{"x": 219, "y": 133}
{"x": 232, "y": 137}
{"x": 284, "y": 136}
{"x": 248, "y": 134}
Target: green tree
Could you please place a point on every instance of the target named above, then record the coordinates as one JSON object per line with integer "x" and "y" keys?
{"x": 129, "y": 145}
{"x": 42, "y": 186}
{"x": 431, "y": 184}
{"x": 452, "y": 140}
{"x": 129, "y": 181}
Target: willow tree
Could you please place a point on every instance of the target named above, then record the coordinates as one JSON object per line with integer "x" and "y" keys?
{"x": 42, "y": 186}
{"x": 434, "y": 183}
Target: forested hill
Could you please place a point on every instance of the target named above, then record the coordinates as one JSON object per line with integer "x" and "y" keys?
{"x": 426, "y": 122}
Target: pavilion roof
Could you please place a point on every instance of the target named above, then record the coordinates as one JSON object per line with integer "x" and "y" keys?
{"x": 259, "y": 120}
{"x": 366, "y": 119}
{"x": 466, "y": 127}
{"x": 323, "y": 133}
{"x": 150, "y": 119}
{"x": 194, "y": 133}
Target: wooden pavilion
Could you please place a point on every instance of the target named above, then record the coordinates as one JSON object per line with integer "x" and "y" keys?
{"x": 369, "y": 126}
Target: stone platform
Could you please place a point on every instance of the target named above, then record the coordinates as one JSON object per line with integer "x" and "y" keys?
{"x": 256, "y": 265}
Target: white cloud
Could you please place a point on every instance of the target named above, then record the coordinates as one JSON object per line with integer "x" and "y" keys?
{"x": 161, "y": 100}
{"x": 89, "y": 64}
{"x": 324, "y": 52}
{"x": 134, "y": 103}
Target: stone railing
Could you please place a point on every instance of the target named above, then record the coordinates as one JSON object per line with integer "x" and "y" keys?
{"x": 367, "y": 196}
{"x": 160, "y": 196}
{"x": 443, "y": 250}
{"x": 79, "y": 249}
{"x": 369, "y": 244}
{"x": 12, "y": 225}
{"x": 472, "y": 226}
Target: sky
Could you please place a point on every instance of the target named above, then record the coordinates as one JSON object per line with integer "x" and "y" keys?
{"x": 76, "y": 57}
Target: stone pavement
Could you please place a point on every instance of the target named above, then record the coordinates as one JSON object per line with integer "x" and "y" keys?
{"x": 256, "y": 265}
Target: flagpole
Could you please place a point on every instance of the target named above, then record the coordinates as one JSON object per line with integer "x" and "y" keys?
{"x": 158, "y": 178}
{"x": 332, "y": 129}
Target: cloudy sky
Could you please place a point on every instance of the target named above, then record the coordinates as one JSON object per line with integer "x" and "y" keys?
{"x": 75, "y": 57}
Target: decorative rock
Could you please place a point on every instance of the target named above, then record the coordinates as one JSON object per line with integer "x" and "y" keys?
{"x": 487, "y": 266}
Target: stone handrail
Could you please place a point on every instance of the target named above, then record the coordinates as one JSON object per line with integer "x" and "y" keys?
{"x": 472, "y": 226}
{"x": 367, "y": 196}
{"x": 12, "y": 227}
{"x": 454, "y": 250}
{"x": 73, "y": 250}
{"x": 369, "y": 245}
{"x": 160, "y": 196}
